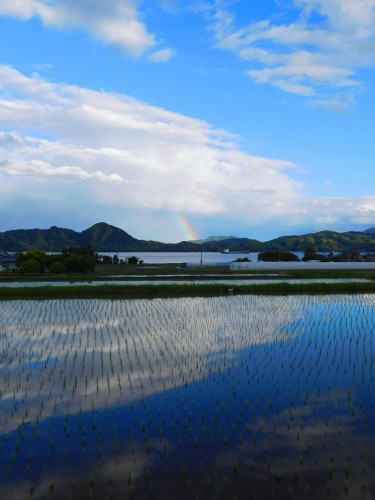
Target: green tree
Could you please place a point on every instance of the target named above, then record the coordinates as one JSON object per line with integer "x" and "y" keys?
{"x": 30, "y": 266}
{"x": 78, "y": 264}
{"x": 133, "y": 260}
{"x": 310, "y": 254}
{"x": 57, "y": 267}
{"x": 34, "y": 261}
{"x": 86, "y": 251}
{"x": 78, "y": 259}
{"x": 277, "y": 257}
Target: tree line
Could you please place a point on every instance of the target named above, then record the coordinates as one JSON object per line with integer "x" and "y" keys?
{"x": 310, "y": 253}
{"x": 70, "y": 260}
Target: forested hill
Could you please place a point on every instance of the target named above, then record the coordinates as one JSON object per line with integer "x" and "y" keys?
{"x": 106, "y": 238}
{"x": 103, "y": 238}
{"x": 325, "y": 241}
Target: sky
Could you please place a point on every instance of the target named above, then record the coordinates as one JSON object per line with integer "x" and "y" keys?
{"x": 177, "y": 119}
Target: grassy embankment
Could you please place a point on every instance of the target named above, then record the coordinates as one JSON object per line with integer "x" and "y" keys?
{"x": 173, "y": 271}
{"x": 185, "y": 290}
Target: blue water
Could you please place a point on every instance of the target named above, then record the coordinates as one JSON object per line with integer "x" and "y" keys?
{"x": 188, "y": 398}
{"x": 155, "y": 281}
{"x": 190, "y": 257}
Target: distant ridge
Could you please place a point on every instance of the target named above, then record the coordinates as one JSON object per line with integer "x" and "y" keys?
{"x": 102, "y": 236}
{"x": 106, "y": 238}
{"x": 212, "y": 238}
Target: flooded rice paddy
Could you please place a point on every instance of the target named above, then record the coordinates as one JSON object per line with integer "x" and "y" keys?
{"x": 229, "y": 397}
{"x": 150, "y": 282}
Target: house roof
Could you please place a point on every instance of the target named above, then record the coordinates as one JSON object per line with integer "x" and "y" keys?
{"x": 7, "y": 258}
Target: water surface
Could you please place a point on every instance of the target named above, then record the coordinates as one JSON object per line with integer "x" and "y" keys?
{"x": 238, "y": 396}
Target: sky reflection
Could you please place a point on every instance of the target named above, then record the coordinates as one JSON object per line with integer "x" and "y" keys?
{"x": 220, "y": 394}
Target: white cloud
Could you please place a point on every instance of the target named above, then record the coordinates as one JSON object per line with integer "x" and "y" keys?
{"x": 99, "y": 155}
{"x": 43, "y": 169}
{"x": 161, "y": 55}
{"x": 314, "y": 49}
{"x": 341, "y": 211}
{"x": 151, "y": 158}
{"x": 336, "y": 103}
{"x": 112, "y": 21}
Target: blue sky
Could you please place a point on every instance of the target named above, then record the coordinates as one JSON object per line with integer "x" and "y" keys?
{"x": 172, "y": 118}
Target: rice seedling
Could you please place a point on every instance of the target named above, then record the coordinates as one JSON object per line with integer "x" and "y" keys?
{"x": 93, "y": 380}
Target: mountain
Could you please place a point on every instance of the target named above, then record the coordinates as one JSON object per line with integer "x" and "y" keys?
{"x": 53, "y": 239}
{"x": 212, "y": 238}
{"x": 325, "y": 241}
{"x": 106, "y": 238}
{"x": 103, "y": 238}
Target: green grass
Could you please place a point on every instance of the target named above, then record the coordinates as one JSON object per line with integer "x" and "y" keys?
{"x": 171, "y": 271}
{"x": 123, "y": 272}
{"x": 186, "y": 290}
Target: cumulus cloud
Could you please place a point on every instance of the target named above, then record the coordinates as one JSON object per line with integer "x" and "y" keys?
{"x": 150, "y": 157}
{"x": 313, "y": 50}
{"x": 65, "y": 146}
{"x": 112, "y": 21}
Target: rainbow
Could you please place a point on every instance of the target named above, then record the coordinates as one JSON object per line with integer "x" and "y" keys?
{"x": 187, "y": 228}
